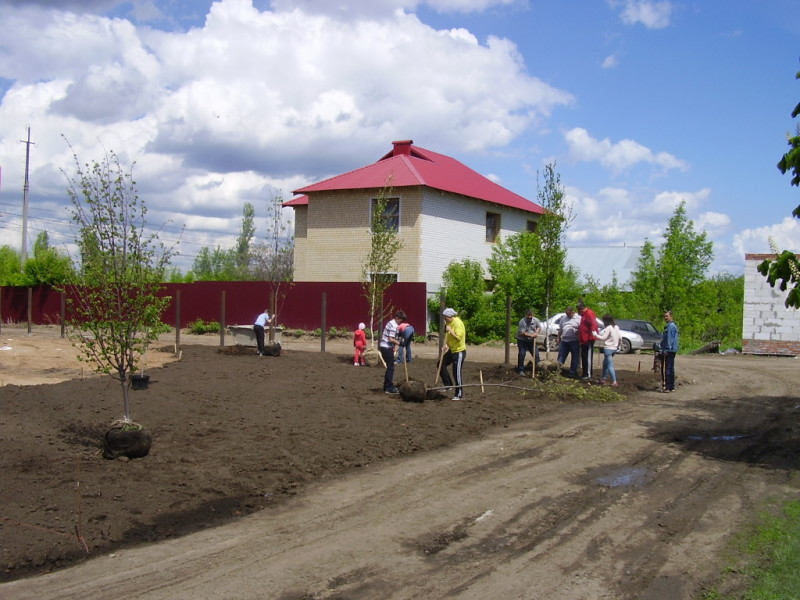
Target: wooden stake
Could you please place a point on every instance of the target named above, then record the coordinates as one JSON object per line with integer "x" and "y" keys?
{"x": 483, "y": 390}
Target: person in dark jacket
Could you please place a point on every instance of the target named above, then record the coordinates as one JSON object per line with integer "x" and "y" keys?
{"x": 670, "y": 344}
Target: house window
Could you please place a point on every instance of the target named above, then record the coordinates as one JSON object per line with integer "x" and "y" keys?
{"x": 532, "y": 225}
{"x": 384, "y": 277}
{"x": 492, "y": 226}
{"x": 391, "y": 212}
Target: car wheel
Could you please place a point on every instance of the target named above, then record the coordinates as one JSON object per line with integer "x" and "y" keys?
{"x": 552, "y": 343}
{"x": 625, "y": 346}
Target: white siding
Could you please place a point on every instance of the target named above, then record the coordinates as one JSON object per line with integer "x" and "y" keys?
{"x": 453, "y": 228}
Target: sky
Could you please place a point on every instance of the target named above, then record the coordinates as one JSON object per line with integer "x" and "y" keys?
{"x": 639, "y": 104}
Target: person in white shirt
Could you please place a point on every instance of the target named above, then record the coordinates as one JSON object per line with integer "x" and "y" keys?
{"x": 610, "y": 336}
{"x": 387, "y": 346}
{"x": 259, "y": 326}
{"x": 568, "y": 340}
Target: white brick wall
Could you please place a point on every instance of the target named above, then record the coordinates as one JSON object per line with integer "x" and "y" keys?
{"x": 766, "y": 317}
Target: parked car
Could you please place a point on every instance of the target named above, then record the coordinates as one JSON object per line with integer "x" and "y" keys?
{"x": 630, "y": 342}
{"x": 648, "y": 331}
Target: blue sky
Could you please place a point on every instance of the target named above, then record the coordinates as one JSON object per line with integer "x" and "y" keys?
{"x": 641, "y": 104}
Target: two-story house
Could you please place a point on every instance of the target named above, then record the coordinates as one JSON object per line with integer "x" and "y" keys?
{"x": 443, "y": 210}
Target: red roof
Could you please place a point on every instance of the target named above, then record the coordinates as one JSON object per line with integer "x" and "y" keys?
{"x": 408, "y": 165}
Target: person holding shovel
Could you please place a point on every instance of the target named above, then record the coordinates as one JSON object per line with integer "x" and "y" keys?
{"x": 669, "y": 348}
{"x": 527, "y": 331}
{"x": 387, "y": 346}
{"x": 455, "y": 351}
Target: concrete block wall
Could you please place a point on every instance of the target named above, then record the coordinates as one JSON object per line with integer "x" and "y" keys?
{"x": 768, "y": 327}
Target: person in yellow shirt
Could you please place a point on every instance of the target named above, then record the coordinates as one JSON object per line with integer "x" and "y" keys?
{"x": 455, "y": 344}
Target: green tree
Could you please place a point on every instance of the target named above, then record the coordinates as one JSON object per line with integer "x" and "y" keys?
{"x": 464, "y": 285}
{"x": 48, "y": 266}
{"x": 552, "y": 230}
{"x": 515, "y": 271}
{"x": 214, "y": 265}
{"x": 784, "y": 271}
{"x": 10, "y": 269}
{"x": 666, "y": 278}
{"x": 381, "y": 259}
{"x": 241, "y": 257}
{"x": 115, "y": 311}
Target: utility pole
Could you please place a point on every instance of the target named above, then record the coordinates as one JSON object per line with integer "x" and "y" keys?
{"x": 23, "y": 255}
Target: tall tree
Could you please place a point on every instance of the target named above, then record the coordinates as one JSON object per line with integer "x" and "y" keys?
{"x": 115, "y": 311}
{"x": 684, "y": 259}
{"x": 381, "y": 259}
{"x": 784, "y": 271}
{"x": 552, "y": 231}
{"x": 241, "y": 256}
{"x": 665, "y": 277}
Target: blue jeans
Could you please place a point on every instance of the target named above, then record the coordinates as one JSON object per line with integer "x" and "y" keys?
{"x": 525, "y": 346}
{"x": 406, "y": 338}
{"x": 608, "y": 364}
{"x": 669, "y": 370}
{"x": 573, "y": 349}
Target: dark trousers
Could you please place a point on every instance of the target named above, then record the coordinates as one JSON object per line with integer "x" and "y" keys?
{"x": 388, "y": 358}
{"x": 523, "y": 348}
{"x": 259, "y": 331}
{"x": 572, "y": 348}
{"x": 587, "y": 354}
{"x": 669, "y": 370}
{"x": 457, "y": 360}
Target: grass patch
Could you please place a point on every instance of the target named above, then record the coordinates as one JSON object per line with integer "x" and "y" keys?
{"x": 767, "y": 562}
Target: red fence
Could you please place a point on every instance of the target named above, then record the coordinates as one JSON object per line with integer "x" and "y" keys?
{"x": 299, "y": 305}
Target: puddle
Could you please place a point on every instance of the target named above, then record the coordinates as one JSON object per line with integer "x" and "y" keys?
{"x": 716, "y": 438}
{"x": 630, "y": 477}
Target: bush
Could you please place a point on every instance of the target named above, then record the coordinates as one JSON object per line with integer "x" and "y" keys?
{"x": 200, "y": 327}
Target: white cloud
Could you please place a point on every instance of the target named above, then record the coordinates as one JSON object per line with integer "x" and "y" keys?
{"x": 610, "y": 61}
{"x": 258, "y": 100}
{"x": 653, "y": 15}
{"x": 617, "y": 156}
{"x": 785, "y": 235}
{"x": 371, "y": 8}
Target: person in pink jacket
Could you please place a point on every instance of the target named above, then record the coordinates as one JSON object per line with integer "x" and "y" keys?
{"x": 360, "y": 343}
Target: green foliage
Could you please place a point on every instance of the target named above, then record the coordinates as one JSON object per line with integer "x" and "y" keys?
{"x": 114, "y": 313}
{"x": 48, "y": 266}
{"x": 200, "y": 327}
{"x": 785, "y": 270}
{"x": 336, "y": 332}
{"x": 10, "y": 268}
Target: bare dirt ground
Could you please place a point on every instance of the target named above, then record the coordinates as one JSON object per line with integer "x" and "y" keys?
{"x": 296, "y": 478}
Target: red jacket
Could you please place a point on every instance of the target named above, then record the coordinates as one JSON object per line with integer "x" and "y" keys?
{"x": 587, "y": 326}
{"x": 360, "y": 339}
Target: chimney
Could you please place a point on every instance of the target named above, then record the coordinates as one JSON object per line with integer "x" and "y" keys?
{"x": 402, "y": 147}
